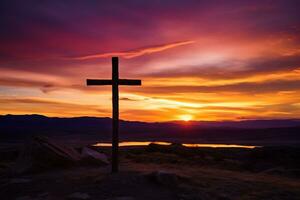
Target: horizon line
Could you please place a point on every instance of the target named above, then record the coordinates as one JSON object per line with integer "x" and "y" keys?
{"x": 170, "y": 121}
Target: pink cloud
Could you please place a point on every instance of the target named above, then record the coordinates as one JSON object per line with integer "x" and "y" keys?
{"x": 136, "y": 52}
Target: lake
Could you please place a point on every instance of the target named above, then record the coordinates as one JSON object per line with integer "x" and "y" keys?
{"x": 146, "y": 143}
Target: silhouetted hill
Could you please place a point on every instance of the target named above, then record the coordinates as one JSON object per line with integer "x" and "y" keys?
{"x": 23, "y": 126}
{"x": 251, "y": 124}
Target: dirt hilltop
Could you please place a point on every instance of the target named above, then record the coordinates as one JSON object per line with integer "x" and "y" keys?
{"x": 172, "y": 172}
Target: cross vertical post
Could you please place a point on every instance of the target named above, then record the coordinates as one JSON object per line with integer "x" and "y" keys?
{"x": 115, "y": 117}
{"x": 114, "y": 82}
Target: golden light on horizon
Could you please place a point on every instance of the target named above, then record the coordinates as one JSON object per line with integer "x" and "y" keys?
{"x": 190, "y": 145}
{"x": 186, "y": 118}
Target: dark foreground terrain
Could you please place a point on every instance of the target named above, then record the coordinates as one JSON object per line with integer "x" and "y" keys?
{"x": 162, "y": 172}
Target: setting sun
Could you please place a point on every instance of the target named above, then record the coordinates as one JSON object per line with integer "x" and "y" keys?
{"x": 186, "y": 117}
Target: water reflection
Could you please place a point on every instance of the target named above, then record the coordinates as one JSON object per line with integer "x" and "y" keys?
{"x": 132, "y": 143}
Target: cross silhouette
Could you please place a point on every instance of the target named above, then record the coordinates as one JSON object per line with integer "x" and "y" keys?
{"x": 115, "y": 82}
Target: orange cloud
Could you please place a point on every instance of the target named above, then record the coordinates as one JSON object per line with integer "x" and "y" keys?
{"x": 137, "y": 52}
{"x": 29, "y": 105}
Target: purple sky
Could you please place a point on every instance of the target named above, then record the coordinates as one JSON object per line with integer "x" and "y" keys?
{"x": 202, "y": 60}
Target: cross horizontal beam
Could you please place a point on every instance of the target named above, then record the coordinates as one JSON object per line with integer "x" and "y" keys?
{"x": 98, "y": 82}
{"x": 110, "y": 82}
{"x": 129, "y": 82}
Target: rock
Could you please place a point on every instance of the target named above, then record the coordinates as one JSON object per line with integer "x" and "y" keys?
{"x": 24, "y": 198}
{"x": 59, "y": 151}
{"x": 224, "y": 197}
{"x": 176, "y": 145}
{"x": 164, "y": 178}
{"x": 121, "y": 198}
{"x": 92, "y": 156}
{"x": 78, "y": 196}
{"x": 43, "y": 153}
{"x": 43, "y": 195}
{"x": 262, "y": 166}
{"x": 189, "y": 197}
{"x": 24, "y": 162}
{"x": 294, "y": 173}
{"x": 275, "y": 171}
{"x": 19, "y": 180}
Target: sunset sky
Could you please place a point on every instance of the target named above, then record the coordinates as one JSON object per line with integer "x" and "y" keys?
{"x": 198, "y": 60}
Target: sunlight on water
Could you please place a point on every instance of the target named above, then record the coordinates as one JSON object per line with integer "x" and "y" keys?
{"x": 220, "y": 146}
{"x": 131, "y": 144}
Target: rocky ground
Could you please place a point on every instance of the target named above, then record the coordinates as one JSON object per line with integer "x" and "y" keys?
{"x": 163, "y": 173}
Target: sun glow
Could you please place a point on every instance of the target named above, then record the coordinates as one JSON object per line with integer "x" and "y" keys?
{"x": 186, "y": 117}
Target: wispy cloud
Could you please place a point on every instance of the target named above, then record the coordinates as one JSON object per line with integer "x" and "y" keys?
{"x": 37, "y": 105}
{"x": 137, "y": 52}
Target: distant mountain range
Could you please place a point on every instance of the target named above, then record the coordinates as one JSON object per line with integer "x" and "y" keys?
{"x": 24, "y": 126}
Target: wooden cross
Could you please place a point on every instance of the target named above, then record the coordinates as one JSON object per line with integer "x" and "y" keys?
{"x": 115, "y": 82}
